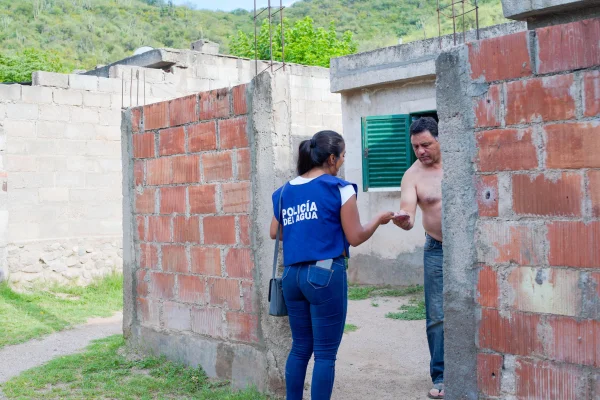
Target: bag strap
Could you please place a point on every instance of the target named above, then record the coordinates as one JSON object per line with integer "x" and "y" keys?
{"x": 276, "y": 255}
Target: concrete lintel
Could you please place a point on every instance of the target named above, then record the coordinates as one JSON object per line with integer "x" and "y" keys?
{"x": 525, "y": 9}
{"x": 157, "y": 58}
{"x": 409, "y": 61}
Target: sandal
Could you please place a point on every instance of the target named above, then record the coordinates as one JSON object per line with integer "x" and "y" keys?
{"x": 437, "y": 392}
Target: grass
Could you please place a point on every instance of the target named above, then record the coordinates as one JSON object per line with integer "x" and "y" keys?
{"x": 374, "y": 304}
{"x": 26, "y": 316}
{"x": 365, "y": 292}
{"x": 103, "y": 371}
{"x": 350, "y": 328}
{"x": 410, "y": 312}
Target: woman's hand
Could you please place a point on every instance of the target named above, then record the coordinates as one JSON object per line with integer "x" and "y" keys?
{"x": 385, "y": 217}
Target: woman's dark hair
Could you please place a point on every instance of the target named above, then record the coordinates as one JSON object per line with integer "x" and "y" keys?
{"x": 314, "y": 152}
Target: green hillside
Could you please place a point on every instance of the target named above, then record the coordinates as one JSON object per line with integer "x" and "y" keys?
{"x": 84, "y": 33}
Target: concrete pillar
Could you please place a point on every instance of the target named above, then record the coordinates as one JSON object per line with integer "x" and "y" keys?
{"x": 539, "y": 13}
{"x": 206, "y": 46}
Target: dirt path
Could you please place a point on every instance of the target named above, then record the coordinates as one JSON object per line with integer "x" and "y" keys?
{"x": 384, "y": 359}
{"x": 21, "y": 357}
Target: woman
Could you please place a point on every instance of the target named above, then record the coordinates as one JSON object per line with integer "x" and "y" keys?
{"x": 319, "y": 220}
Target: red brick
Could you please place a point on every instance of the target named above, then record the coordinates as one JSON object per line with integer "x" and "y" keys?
{"x": 569, "y": 46}
{"x": 159, "y": 229}
{"x": 162, "y": 285}
{"x": 244, "y": 230}
{"x": 186, "y": 169}
{"x": 244, "y": 167}
{"x": 177, "y": 316}
{"x": 191, "y": 289}
{"x": 487, "y": 108}
{"x": 217, "y": 166}
{"x": 156, "y": 116}
{"x": 202, "y": 136}
{"x": 224, "y": 292}
{"x": 148, "y": 312}
{"x": 487, "y": 195}
{"x": 206, "y": 261}
{"x": 148, "y": 256}
{"x": 547, "y": 290}
{"x": 174, "y": 259}
{"x": 500, "y": 58}
{"x": 186, "y": 230}
{"x": 515, "y": 334}
{"x": 136, "y": 119}
{"x": 239, "y": 100}
{"x": 143, "y": 145}
{"x": 183, "y": 110}
{"x": 214, "y": 104}
{"x": 159, "y": 171}
{"x": 248, "y": 297}
{"x": 503, "y": 243}
{"x": 544, "y": 380}
{"x": 593, "y": 178}
{"x": 203, "y": 199}
{"x": 207, "y": 321}
{"x": 573, "y": 145}
{"x": 172, "y": 200}
{"x": 489, "y": 373}
{"x": 574, "y": 244}
{"x": 141, "y": 283}
{"x": 539, "y": 195}
{"x": 144, "y": 201}
{"x": 548, "y": 99}
{"x": 239, "y": 263}
{"x": 591, "y": 93}
{"x": 574, "y": 342}
{"x": 488, "y": 291}
{"x": 171, "y": 141}
{"x": 219, "y": 230}
{"x": 506, "y": 150}
{"x": 236, "y": 197}
{"x": 138, "y": 173}
{"x": 242, "y": 327}
{"x": 140, "y": 225}
{"x": 232, "y": 133}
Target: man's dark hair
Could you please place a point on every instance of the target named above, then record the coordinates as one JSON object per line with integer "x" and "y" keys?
{"x": 424, "y": 124}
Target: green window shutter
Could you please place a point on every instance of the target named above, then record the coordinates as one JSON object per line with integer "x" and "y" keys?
{"x": 387, "y": 152}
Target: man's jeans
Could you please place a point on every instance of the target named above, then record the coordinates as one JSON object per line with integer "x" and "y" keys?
{"x": 317, "y": 301}
{"x": 434, "y": 306}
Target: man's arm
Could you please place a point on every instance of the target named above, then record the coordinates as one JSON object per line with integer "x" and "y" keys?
{"x": 405, "y": 219}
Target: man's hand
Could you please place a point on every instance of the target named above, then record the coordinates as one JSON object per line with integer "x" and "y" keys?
{"x": 402, "y": 219}
{"x": 385, "y": 217}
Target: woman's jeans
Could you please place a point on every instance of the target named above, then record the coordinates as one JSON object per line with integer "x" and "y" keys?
{"x": 317, "y": 300}
{"x": 434, "y": 306}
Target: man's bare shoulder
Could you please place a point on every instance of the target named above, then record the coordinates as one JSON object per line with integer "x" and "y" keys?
{"x": 414, "y": 171}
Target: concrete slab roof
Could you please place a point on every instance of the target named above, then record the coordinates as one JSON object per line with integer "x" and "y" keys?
{"x": 523, "y": 9}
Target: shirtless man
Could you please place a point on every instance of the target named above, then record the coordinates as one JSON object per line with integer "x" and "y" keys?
{"x": 422, "y": 185}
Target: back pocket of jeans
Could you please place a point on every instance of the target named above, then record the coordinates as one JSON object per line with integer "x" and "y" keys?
{"x": 319, "y": 277}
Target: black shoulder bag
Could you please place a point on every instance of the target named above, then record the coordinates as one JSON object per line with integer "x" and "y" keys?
{"x": 277, "y": 305}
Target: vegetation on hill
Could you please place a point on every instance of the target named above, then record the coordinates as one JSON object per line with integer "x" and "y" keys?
{"x": 84, "y": 33}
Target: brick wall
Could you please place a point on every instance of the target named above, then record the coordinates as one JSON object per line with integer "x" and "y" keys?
{"x": 192, "y": 205}
{"x": 537, "y": 138}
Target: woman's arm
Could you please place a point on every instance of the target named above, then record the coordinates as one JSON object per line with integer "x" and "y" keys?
{"x": 355, "y": 232}
{"x": 273, "y": 229}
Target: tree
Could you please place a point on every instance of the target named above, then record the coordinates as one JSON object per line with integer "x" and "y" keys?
{"x": 304, "y": 44}
{"x": 20, "y": 66}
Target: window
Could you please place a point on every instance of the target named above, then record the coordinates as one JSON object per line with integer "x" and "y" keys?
{"x": 387, "y": 152}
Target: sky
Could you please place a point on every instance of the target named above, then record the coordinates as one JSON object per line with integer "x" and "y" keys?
{"x": 228, "y": 5}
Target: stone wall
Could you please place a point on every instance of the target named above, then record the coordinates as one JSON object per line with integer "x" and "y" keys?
{"x": 520, "y": 133}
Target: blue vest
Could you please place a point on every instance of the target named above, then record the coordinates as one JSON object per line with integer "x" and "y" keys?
{"x": 312, "y": 225}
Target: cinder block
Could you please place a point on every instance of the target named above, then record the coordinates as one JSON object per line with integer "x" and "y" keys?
{"x": 40, "y": 146}
{"x": 110, "y": 85}
{"x": 76, "y": 131}
{"x": 10, "y": 92}
{"x": 68, "y": 97}
{"x": 110, "y": 117}
{"x": 24, "y": 129}
{"x": 83, "y": 115}
{"x": 50, "y": 163}
{"x": 111, "y": 133}
{"x": 52, "y": 79}
{"x": 70, "y": 179}
{"x": 102, "y": 148}
{"x": 23, "y": 231}
{"x": 22, "y": 111}
{"x": 54, "y": 113}
{"x": 91, "y": 99}
{"x": 37, "y": 94}
{"x": 30, "y": 180}
{"x": 164, "y": 91}
{"x": 83, "y": 82}
{"x": 54, "y": 195}
{"x": 20, "y": 163}
{"x": 51, "y": 129}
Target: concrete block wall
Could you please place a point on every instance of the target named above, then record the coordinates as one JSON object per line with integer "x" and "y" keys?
{"x": 520, "y": 131}
{"x": 195, "y": 280}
